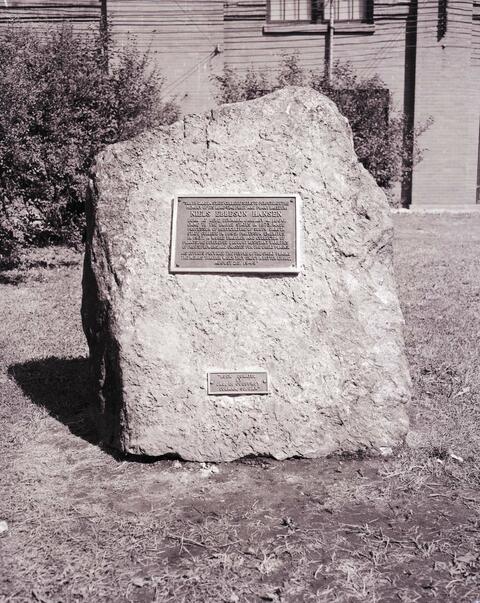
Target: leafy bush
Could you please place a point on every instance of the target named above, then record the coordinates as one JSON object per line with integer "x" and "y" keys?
{"x": 60, "y": 103}
{"x": 383, "y": 142}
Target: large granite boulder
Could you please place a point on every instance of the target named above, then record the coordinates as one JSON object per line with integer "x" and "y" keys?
{"x": 329, "y": 337}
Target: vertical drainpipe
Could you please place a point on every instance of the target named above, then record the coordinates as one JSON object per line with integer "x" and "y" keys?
{"x": 477, "y": 199}
{"x": 411, "y": 25}
{"x": 331, "y": 33}
{"x": 104, "y": 30}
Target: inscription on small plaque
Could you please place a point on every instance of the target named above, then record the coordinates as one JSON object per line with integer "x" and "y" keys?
{"x": 235, "y": 234}
{"x": 237, "y": 383}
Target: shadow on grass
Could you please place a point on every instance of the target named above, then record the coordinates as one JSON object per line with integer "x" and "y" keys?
{"x": 62, "y": 386}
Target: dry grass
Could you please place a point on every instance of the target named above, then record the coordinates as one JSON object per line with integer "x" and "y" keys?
{"x": 88, "y": 526}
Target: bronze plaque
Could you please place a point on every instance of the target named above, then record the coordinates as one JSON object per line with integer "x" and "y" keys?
{"x": 236, "y": 383}
{"x": 235, "y": 234}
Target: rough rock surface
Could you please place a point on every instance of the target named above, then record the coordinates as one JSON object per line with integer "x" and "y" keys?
{"x": 330, "y": 337}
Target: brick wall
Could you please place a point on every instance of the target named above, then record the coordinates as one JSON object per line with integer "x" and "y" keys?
{"x": 182, "y": 37}
{"x": 447, "y": 87}
{"x": 431, "y": 69}
{"x": 42, "y": 14}
{"x": 439, "y": 78}
{"x": 377, "y": 48}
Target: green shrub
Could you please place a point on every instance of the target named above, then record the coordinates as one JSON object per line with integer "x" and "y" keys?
{"x": 60, "y": 103}
{"x": 383, "y": 142}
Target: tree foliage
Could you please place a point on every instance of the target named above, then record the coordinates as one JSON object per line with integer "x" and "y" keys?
{"x": 60, "y": 103}
{"x": 384, "y": 143}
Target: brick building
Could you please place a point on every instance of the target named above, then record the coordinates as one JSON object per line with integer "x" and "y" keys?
{"x": 427, "y": 52}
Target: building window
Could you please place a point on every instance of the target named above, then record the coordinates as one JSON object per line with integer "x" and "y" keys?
{"x": 290, "y": 10}
{"x": 346, "y": 10}
{"x": 314, "y": 11}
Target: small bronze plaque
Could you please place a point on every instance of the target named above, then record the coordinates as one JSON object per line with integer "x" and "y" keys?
{"x": 235, "y": 234}
{"x": 237, "y": 383}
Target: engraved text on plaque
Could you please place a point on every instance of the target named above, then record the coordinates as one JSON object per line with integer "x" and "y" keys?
{"x": 235, "y": 234}
{"x": 224, "y": 383}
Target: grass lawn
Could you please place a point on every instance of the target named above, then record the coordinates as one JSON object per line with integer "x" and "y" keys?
{"x": 86, "y": 525}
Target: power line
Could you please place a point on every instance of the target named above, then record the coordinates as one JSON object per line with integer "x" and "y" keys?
{"x": 188, "y": 17}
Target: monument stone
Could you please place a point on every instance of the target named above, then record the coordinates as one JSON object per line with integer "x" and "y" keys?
{"x": 238, "y": 289}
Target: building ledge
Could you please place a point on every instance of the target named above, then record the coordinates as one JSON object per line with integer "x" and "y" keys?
{"x": 354, "y": 27}
{"x": 347, "y": 27}
{"x": 420, "y": 208}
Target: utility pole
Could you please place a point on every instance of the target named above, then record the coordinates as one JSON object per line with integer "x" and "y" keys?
{"x": 331, "y": 33}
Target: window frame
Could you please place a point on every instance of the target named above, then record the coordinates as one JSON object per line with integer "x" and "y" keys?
{"x": 318, "y": 15}
{"x": 289, "y": 21}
